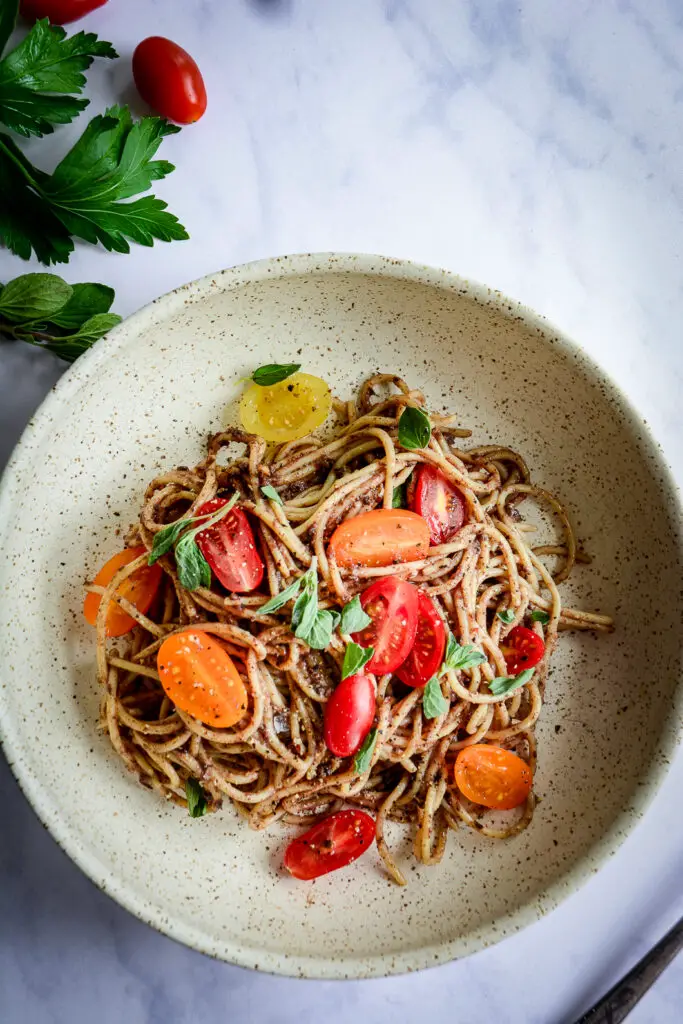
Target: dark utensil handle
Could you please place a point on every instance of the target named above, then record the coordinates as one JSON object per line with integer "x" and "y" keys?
{"x": 620, "y": 1000}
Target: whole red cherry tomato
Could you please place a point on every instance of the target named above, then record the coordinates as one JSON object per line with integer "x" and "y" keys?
{"x": 60, "y": 12}
{"x": 349, "y": 713}
{"x": 169, "y": 80}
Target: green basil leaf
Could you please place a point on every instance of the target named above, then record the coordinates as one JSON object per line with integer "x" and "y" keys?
{"x": 433, "y": 701}
{"x": 538, "y": 615}
{"x": 196, "y": 799}
{"x": 281, "y": 599}
{"x": 304, "y": 613}
{"x": 355, "y": 659}
{"x": 506, "y": 616}
{"x": 361, "y": 761}
{"x": 193, "y": 568}
{"x": 273, "y": 373}
{"x": 271, "y": 493}
{"x": 320, "y": 634}
{"x": 165, "y": 539}
{"x": 414, "y": 430}
{"x": 506, "y": 684}
{"x": 33, "y": 297}
{"x": 353, "y": 618}
{"x": 458, "y": 657}
{"x": 87, "y": 300}
{"x": 398, "y": 499}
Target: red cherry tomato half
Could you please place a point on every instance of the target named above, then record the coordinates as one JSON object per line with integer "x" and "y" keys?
{"x": 169, "y": 80}
{"x": 392, "y": 605}
{"x": 230, "y": 549}
{"x": 438, "y": 501}
{"x": 333, "y": 843}
{"x": 349, "y": 713}
{"x": 60, "y": 12}
{"x": 426, "y": 655}
{"x": 522, "y": 648}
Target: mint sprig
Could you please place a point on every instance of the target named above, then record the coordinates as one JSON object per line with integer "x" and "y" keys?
{"x": 459, "y": 657}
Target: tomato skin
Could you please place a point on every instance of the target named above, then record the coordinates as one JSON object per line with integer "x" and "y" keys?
{"x": 286, "y": 411}
{"x": 169, "y": 80}
{"x": 332, "y": 843}
{"x": 392, "y": 604}
{"x": 438, "y": 501}
{"x": 426, "y": 655}
{"x": 200, "y": 677}
{"x": 522, "y": 648}
{"x": 385, "y": 536}
{"x": 230, "y": 549}
{"x": 492, "y": 776}
{"x": 60, "y": 12}
{"x": 349, "y": 713}
{"x": 140, "y": 589}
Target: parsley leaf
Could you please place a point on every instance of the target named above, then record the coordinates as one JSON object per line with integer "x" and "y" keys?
{"x": 196, "y": 799}
{"x": 538, "y": 615}
{"x": 414, "y": 429}
{"x": 273, "y": 373}
{"x": 9, "y": 11}
{"x": 111, "y": 161}
{"x": 271, "y": 493}
{"x": 507, "y": 616}
{"x": 458, "y": 657}
{"x": 506, "y": 684}
{"x": 353, "y": 618}
{"x": 37, "y": 78}
{"x": 362, "y": 760}
{"x": 355, "y": 659}
{"x": 433, "y": 701}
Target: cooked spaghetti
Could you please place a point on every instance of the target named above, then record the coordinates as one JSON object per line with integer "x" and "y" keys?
{"x": 273, "y": 764}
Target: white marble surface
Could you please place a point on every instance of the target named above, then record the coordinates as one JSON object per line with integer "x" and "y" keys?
{"x": 530, "y": 144}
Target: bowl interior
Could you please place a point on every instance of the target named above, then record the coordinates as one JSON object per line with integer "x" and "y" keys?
{"x": 144, "y": 401}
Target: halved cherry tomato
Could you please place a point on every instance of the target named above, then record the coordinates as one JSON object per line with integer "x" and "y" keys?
{"x": 385, "y": 536}
{"x": 139, "y": 589}
{"x": 492, "y": 776}
{"x": 60, "y": 12}
{"x": 332, "y": 843}
{"x": 200, "y": 677}
{"x": 438, "y": 501}
{"x": 426, "y": 654}
{"x": 169, "y": 80}
{"x": 392, "y": 604}
{"x": 230, "y": 549}
{"x": 522, "y": 648}
{"x": 349, "y": 713}
{"x": 288, "y": 410}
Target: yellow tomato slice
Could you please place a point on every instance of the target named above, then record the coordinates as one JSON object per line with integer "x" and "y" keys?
{"x": 288, "y": 410}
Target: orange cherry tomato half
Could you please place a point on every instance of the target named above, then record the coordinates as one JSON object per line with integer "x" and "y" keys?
{"x": 438, "y": 501}
{"x": 169, "y": 80}
{"x": 392, "y": 604}
{"x": 385, "y": 536}
{"x": 332, "y": 843}
{"x": 426, "y": 654}
{"x": 492, "y": 776}
{"x": 349, "y": 713}
{"x": 522, "y": 648}
{"x": 139, "y": 589}
{"x": 60, "y": 12}
{"x": 200, "y": 677}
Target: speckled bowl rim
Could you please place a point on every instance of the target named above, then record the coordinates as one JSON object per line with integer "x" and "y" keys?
{"x": 39, "y": 794}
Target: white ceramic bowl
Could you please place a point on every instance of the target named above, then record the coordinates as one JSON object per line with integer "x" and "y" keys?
{"x": 143, "y": 399}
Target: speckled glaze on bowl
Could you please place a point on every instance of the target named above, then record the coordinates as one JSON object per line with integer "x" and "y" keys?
{"x": 142, "y": 400}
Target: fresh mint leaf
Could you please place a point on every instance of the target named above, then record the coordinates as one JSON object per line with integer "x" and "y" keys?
{"x": 320, "y": 634}
{"x": 363, "y": 758}
{"x": 458, "y": 657}
{"x": 506, "y": 616}
{"x": 281, "y": 599}
{"x": 196, "y": 799}
{"x": 306, "y": 605}
{"x": 433, "y": 701}
{"x": 506, "y": 684}
{"x": 414, "y": 429}
{"x": 38, "y": 77}
{"x": 273, "y": 373}
{"x": 87, "y": 300}
{"x": 271, "y": 493}
{"x": 193, "y": 569}
{"x": 353, "y": 618}
{"x": 9, "y": 11}
{"x": 538, "y": 615}
{"x": 34, "y": 297}
{"x": 355, "y": 659}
